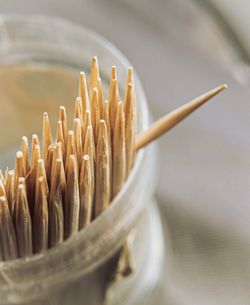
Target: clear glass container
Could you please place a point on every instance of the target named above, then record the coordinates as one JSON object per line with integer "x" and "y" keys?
{"x": 40, "y": 59}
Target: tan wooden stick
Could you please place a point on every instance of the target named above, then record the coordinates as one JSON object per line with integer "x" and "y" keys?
{"x": 8, "y": 235}
{"x": 72, "y": 200}
{"x": 170, "y": 120}
{"x": 102, "y": 179}
{"x": 56, "y": 217}
{"x": 83, "y": 92}
{"x": 23, "y": 223}
{"x": 86, "y": 194}
{"x": 63, "y": 119}
{"x": 25, "y": 151}
{"x": 41, "y": 217}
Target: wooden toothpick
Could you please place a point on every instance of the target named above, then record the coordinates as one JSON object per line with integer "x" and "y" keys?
{"x": 130, "y": 127}
{"x": 41, "y": 172}
{"x": 2, "y": 178}
{"x": 72, "y": 200}
{"x": 25, "y": 151}
{"x": 9, "y": 187}
{"x": 23, "y": 223}
{"x": 119, "y": 152}
{"x": 2, "y": 189}
{"x": 83, "y": 92}
{"x": 56, "y": 204}
{"x": 95, "y": 110}
{"x": 47, "y": 136}
{"x": 78, "y": 109}
{"x": 170, "y": 120}
{"x": 8, "y": 241}
{"x": 60, "y": 137}
{"x": 63, "y": 119}
{"x": 78, "y": 141}
{"x": 89, "y": 149}
{"x": 102, "y": 187}
{"x": 41, "y": 217}
{"x": 86, "y": 193}
{"x": 71, "y": 149}
{"x": 113, "y": 102}
{"x": 94, "y": 74}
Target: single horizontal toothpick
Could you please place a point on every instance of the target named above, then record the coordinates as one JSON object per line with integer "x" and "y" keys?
{"x": 170, "y": 120}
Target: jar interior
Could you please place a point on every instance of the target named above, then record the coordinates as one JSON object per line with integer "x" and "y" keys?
{"x": 27, "y": 90}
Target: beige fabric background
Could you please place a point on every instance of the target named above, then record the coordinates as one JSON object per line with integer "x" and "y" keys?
{"x": 179, "y": 53}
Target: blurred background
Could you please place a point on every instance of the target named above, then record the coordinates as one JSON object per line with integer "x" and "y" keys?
{"x": 180, "y": 49}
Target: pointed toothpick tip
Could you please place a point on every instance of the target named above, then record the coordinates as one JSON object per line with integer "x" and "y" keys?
{"x": 221, "y": 87}
{"x": 173, "y": 118}
{"x": 207, "y": 96}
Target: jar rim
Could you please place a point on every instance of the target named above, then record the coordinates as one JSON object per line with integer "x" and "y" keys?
{"x": 136, "y": 175}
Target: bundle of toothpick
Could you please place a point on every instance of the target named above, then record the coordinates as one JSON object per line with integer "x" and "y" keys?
{"x": 63, "y": 184}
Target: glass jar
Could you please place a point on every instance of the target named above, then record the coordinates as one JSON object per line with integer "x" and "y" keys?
{"x": 40, "y": 60}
